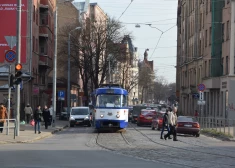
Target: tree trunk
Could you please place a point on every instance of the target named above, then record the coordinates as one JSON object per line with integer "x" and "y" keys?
{"x": 142, "y": 98}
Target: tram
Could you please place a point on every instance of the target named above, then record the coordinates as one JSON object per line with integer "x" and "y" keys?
{"x": 110, "y": 107}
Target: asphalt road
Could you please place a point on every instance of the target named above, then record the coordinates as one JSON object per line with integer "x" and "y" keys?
{"x": 74, "y": 147}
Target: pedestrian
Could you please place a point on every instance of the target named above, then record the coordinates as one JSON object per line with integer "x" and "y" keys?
{"x": 172, "y": 123}
{"x": 28, "y": 113}
{"x": 3, "y": 116}
{"x": 196, "y": 114}
{"x": 51, "y": 113}
{"x": 46, "y": 116}
{"x": 37, "y": 118}
{"x": 165, "y": 123}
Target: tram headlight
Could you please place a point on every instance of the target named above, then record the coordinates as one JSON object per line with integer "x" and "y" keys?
{"x": 117, "y": 115}
{"x": 101, "y": 115}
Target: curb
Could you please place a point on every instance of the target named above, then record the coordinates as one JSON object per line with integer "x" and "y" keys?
{"x": 222, "y": 138}
{"x": 36, "y": 139}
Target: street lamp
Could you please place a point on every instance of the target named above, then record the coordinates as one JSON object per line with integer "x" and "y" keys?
{"x": 68, "y": 84}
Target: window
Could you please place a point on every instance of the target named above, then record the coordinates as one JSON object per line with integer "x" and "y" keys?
{"x": 33, "y": 43}
{"x": 226, "y": 70}
{"x": 206, "y": 6}
{"x": 210, "y": 5}
{"x": 222, "y": 64}
{"x": 209, "y": 69}
{"x": 210, "y": 37}
{"x": 227, "y": 31}
{"x": 206, "y": 39}
{"x": 222, "y": 29}
{"x": 43, "y": 80}
{"x": 205, "y": 69}
{"x": 228, "y": 1}
{"x": 34, "y": 13}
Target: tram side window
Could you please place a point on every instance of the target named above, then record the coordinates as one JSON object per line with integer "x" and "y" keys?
{"x": 124, "y": 101}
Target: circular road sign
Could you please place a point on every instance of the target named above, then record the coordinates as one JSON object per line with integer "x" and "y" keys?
{"x": 10, "y": 56}
{"x": 201, "y": 87}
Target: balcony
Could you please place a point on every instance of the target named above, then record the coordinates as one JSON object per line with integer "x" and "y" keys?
{"x": 44, "y": 58}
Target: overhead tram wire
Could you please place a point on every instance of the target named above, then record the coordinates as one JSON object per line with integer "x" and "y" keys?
{"x": 159, "y": 38}
{"x": 125, "y": 9}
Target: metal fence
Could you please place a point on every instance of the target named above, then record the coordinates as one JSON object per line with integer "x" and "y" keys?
{"x": 7, "y": 127}
{"x": 221, "y": 125}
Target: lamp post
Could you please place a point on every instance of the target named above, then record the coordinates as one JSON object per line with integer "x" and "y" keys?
{"x": 68, "y": 84}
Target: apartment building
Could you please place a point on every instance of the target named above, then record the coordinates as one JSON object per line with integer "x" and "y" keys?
{"x": 36, "y": 57}
{"x": 203, "y": 57}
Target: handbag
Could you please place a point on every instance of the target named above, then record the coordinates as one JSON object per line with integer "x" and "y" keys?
{"x": 32, "y": 122}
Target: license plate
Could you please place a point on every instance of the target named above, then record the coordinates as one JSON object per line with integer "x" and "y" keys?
{"x": 79, "y": 121}
{"x": 188, "y": 125}
{"x": 149, "y": 118}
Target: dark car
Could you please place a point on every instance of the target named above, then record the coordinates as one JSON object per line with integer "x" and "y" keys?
{"x": 188, "y": 125}
{"x": 64, "y": 115}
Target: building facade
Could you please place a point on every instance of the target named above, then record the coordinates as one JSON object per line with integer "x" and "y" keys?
{"x": 204, "y": 57}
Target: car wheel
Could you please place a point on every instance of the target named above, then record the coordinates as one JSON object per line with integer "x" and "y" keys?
{"x": 138, "y": 124}
{"x": 89, "y": 125}
{"x": 71, "y": 125}
{"x": 197, "y": 135}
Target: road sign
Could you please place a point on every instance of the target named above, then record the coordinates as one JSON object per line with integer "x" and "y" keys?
{"x": 10, "y": 56}
{"x": 195, "y": 95}
{"x": 61, "y": 95}
{"x": 201, "y": 95}
{"x": 201, "y": 102}
{"x": 201, "y": 87}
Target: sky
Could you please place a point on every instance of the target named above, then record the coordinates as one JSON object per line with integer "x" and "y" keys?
{"x": 162, "y": 15}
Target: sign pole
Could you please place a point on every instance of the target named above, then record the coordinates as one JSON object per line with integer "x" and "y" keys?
{"x": 9, "y": 99}
{"x": 54, "y": 72}
{"x": 18, "y": 51}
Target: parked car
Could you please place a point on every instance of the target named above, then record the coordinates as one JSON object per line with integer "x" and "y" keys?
{"x": 64, "y": 115}
{"x": 145, "y": 117}
{"x": 80, "y": 116}
{"x": 157, "y": 121}
{"x": 188, "y": 125}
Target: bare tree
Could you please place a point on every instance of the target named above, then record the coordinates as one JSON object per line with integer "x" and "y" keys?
{"x": 90, "y": 49}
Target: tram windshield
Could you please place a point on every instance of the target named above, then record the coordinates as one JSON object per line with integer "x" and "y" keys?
{"x": 109, "y": 100}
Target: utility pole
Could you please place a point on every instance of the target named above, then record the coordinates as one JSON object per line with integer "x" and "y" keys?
{"x": 18, "y": 52}
{"x": 232, "y": 39}
{"x": 54, "y": 71}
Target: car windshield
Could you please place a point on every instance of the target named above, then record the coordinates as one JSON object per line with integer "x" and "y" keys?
{"x": 186, "y": 119}
{"x": 80, "y": 111}
{"x": 147, "y": 112}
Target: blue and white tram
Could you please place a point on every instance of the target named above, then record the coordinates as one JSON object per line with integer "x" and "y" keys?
{"x": 110, "y": 104}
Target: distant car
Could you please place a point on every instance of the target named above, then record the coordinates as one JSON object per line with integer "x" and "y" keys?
{"x": 157, "y": 121}
{"x": 80, "y": 116}
{"x": 146, "y": 116}
{"x": 130, "y": 114}
{"x": 64, "y": 115}
{"x": 188, "y": 125}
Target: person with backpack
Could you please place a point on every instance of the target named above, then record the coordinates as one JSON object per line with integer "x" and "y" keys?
{"x": 165, "y": 124}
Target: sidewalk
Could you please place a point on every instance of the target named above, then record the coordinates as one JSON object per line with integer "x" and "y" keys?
{"x": 28, "y": 135}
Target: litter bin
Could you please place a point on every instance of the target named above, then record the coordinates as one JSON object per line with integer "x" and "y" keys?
{"x": 22, "y": 126}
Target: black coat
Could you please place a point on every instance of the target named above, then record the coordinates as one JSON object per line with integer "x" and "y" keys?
{"x": 37, "y": 115}
{"x": 46, "y": 115}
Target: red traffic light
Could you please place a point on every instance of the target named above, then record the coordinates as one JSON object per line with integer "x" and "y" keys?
{"x": 18, "y": 67}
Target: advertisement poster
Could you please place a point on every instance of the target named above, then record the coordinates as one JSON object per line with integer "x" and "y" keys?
{"x": 8, "y": 22}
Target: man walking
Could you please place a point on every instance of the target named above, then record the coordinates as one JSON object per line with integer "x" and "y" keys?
{"x": 165, "y": 123}
{"x": 28, "y": 113}
{"x": 172, "y": 123}
{"x": 3, "y": 116}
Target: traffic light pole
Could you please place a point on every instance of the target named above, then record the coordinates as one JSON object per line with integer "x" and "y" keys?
{"x": 18, "y": 52}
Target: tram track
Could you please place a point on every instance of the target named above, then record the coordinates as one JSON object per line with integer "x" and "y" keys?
{"x": 183, "y": 149}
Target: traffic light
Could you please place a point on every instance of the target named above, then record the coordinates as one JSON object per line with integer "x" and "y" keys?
{"x": 18, "y": 73}
{"x": 11, "y": 80}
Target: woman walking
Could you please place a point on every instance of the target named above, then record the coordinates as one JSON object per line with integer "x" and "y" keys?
{"x": 37, "y": 118}
{"x": 46, "y": 116}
